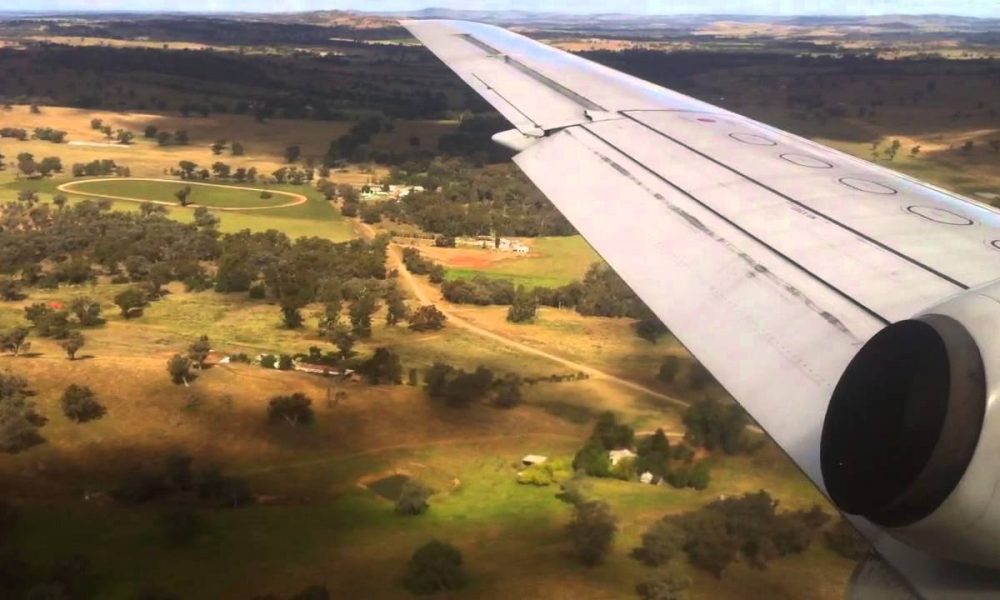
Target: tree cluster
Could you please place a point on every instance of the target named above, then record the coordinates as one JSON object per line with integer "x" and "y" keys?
{"x": 100, "y": 167}
{"x": 418, "y": 265}
{"x": 459, "y": 388}
{"x": 462, "y": 200}
{"x": 718, "y": 426}
{"x": 177, "y": 478}
{"x": 20, "y": 420}
{"x": 747, "y": 527}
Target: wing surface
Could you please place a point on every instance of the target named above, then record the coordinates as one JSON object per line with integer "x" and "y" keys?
{"x": 772, "y": 258}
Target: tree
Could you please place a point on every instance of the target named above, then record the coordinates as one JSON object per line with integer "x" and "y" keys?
{"x": 72, "y": 344}
{"x": 669, "y": 369}
{"x": 413, "y": 498}
{"x": 360, "y": 313}
{"x": 236, "y": 149}
{"x": 592, "y": 529}
{"x": 457, "y": 387}
{"x": 14, "y": 340}
{"x": 654, "y": 454}
{"x": 179, "y": 368}
{"x": 383, "y": 367}
{"x": 698, "y": 377}
{"x": 183, "y": 195}
{"x": 343, "y": 338}
{"x": 181, "y": 137}
{"x": 292, "y": 154}
{"x": 434, "y": 567}
{"x": 149, "y": 131}
{"x": 164, "y": 138}
{"x": 716, "y": 426}
{"x": 130, "y": 301}
{"x": 612, "y": 434}
{"x": 19, "y": 419}
{"x": 221, "y": 170}
{"x": 663, "y": 587}
{"x": 87, "y": 311}
{"x": 663, "y": 541}
{"x": 650, "y": 328}
{"x": 49, "y": 165}
{"x": 10, "y": 290}
{"x": 295, "y": 410}
{"x": 198, "y": 351}
{"x": 396, "y": 309}
{"x": 508, "y": 392}
{"x": 218, "y": 146}
{"x": 80, "y": 404}
{"x": 124, "y": 137}
{"x": 593, "y": 459}
{"x": 427, "y": 318}
{"x": 524, "y": 307}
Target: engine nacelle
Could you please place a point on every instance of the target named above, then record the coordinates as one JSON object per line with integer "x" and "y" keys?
{"x": 911, "y": 439}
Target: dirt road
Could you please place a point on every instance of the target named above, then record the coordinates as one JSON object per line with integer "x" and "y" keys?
{"x": 420, "y": 293}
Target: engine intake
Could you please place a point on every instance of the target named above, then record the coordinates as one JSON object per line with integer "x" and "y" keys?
{"x": 911, "y": 438}
{"x": 904, "y": 421}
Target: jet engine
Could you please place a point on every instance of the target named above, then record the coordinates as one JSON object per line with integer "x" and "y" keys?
{"x": 911, "y": 438}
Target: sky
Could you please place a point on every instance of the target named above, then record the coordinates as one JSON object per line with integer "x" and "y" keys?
{"x": 973, "y": 8}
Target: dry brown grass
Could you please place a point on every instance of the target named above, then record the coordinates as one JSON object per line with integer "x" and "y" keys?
{"x": 264, "y": 143}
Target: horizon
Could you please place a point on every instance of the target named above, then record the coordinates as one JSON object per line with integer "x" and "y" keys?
{"x": 984, "y": 9}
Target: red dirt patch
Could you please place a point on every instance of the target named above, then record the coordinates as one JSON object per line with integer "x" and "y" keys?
{"x": 468, "y": 258}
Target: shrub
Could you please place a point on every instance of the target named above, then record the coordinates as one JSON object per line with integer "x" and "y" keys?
{"x": 435, "y": 566}
{"x": 546, "y": 473}
{"x": 383, "y": 367}
{"x": 592, "y": 529}
{"x": 295, "y": 409}
{"x": 413, "y": 498}
{"x": 79, "y": 404}
{"x": 427, "y": 318}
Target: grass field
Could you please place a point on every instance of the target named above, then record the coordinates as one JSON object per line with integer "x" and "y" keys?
{"x": 208, "y": 195}
{"x": 264, "y": 142}
{"x": 316, "y": 217}
{"x": 320, "y": 525}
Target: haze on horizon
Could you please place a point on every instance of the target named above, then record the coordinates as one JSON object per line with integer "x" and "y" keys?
{"x": 969, "y": 8}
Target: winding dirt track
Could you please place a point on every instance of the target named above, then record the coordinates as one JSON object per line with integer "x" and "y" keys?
{"x": 68, "y": 188}
{"x": 396, "y": 262}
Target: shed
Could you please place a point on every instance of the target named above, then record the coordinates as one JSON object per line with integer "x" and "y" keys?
{"x": 533, "y": 459}
{"x": 617, "y": 455}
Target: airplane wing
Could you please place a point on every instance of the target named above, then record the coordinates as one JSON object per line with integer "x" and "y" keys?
{"x": 775, "y": 260}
